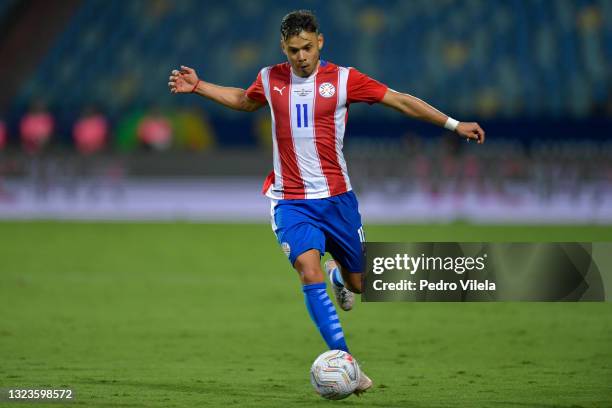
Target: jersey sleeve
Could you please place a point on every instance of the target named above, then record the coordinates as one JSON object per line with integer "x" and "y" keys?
{"x": 256, "y": 90}
{"x": 362, "y": 88}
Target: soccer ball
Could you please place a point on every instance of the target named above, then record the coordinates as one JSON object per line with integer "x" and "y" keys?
{"x": 335, "y": 374}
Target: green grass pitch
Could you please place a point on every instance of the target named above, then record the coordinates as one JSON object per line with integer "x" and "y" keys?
{"x": 191, "y": 315}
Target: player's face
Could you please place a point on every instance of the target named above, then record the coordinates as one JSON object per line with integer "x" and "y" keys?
{"x": 303, "y": 51}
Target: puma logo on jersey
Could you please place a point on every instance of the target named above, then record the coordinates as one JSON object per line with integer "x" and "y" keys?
{"x": 280, "y": 91}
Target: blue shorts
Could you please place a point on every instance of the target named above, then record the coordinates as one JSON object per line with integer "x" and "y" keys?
{"x": 330, "y": 224}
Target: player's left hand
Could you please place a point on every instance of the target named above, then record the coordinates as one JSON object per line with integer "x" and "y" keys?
{"x": 471, "y": 130}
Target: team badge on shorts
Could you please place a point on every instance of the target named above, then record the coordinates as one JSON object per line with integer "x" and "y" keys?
{"x": 327, "y": 90}
{"x": 286, "y": 248}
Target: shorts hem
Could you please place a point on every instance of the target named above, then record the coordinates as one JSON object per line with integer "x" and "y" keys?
{"x": 321, "y": 253}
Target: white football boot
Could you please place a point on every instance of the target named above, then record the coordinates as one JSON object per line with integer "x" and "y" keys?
{"x": 344, "y": 297}
{"x": 365, "y": 383}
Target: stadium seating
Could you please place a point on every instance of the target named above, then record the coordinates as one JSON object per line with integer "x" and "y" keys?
{"x": 509, "y": 59}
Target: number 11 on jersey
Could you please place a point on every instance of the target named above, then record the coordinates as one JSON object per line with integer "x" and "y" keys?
{"x": 299, "y": 108}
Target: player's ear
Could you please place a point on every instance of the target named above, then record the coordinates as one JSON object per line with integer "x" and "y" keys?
{"x": 320, "y": 41}
{"x": 282, "y": 45}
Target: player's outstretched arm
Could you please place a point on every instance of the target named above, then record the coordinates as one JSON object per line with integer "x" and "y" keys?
{"x": 186, "y": 80}
{"x": 418, "y": 109}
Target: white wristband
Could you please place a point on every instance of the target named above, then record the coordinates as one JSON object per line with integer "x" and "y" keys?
{"x": 451, "y": 124}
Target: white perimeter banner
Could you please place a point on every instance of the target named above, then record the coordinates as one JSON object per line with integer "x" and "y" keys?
{"x": 240, "y": 200}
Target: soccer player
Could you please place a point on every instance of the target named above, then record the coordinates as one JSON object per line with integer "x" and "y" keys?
{"x": 312, "y": 206}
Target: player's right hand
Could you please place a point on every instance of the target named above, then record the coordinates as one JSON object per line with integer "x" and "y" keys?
{"x": 183, "y": 80}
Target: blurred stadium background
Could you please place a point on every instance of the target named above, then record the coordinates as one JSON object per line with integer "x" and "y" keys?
{"x": 89, "y": 130}
{"x": 177, "y": 314}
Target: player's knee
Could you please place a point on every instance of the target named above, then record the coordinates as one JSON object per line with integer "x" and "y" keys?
{"x": 308, "y": 266}
{"x": 311, "y": 274}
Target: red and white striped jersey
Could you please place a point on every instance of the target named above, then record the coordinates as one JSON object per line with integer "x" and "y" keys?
{"x": 308, "y": 122}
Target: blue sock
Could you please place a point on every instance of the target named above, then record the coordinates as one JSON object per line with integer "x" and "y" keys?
{"x": 323, "y": 314}
{"x": 336, "y": 277}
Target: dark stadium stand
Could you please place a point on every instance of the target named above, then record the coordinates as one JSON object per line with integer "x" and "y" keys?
{"x": 478, "y": 57}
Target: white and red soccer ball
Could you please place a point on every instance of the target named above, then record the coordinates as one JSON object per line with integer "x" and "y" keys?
{"x": 335, "y": 374}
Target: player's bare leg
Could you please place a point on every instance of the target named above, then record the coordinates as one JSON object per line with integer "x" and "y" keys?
{"x": 320, "y": 307}
{"x": 352, "y": 282}
{"x": 308, "y": 267}
{"x": 344, "y": 297}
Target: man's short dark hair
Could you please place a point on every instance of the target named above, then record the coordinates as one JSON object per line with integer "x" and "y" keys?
{"x": 296, "y": 22}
